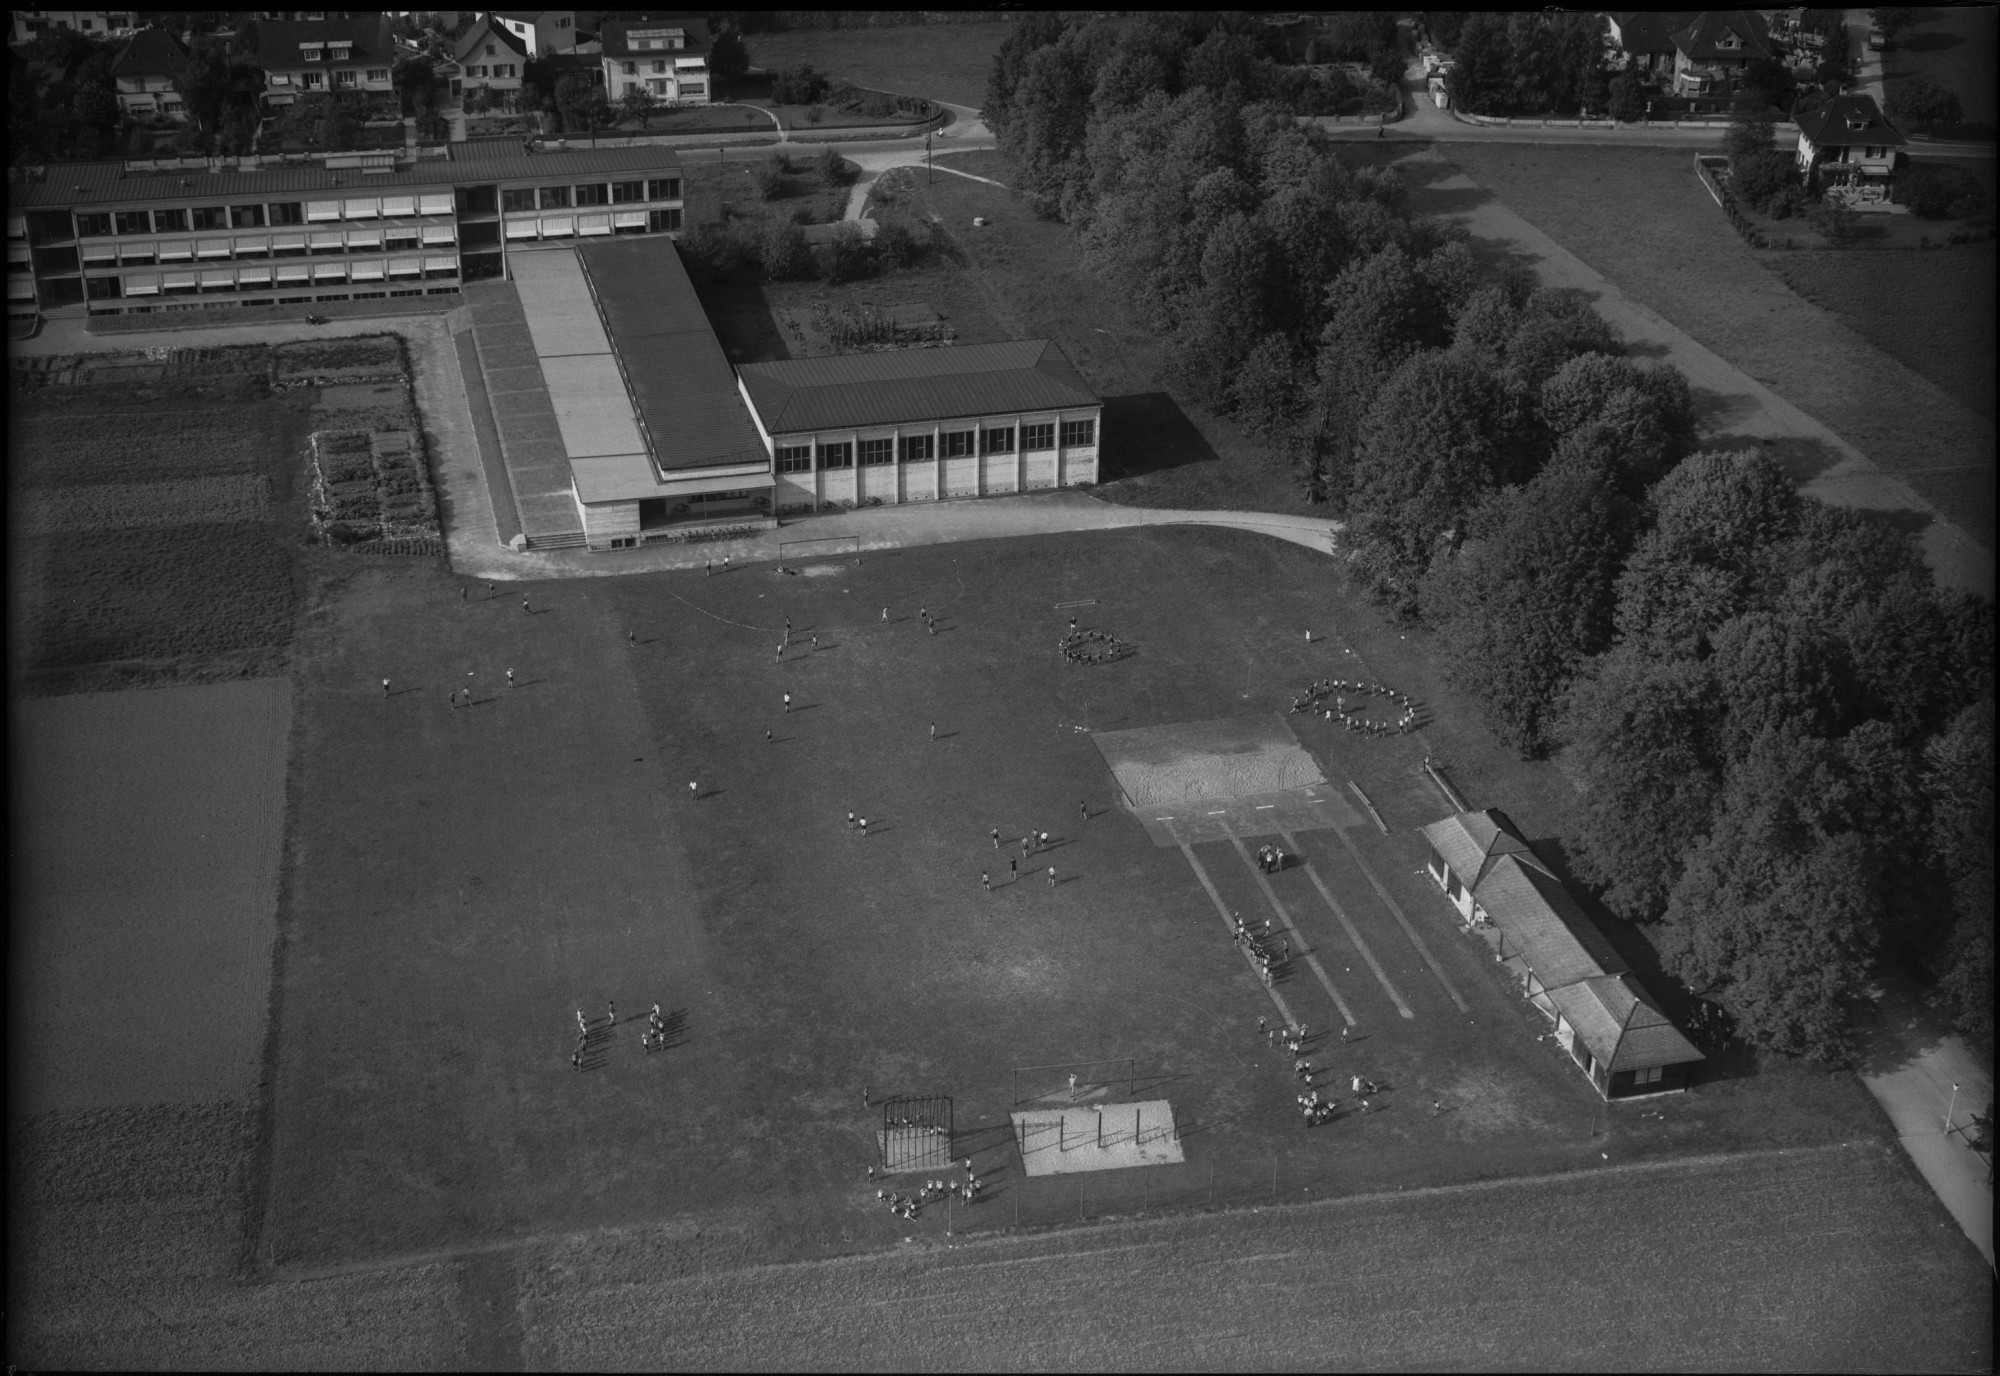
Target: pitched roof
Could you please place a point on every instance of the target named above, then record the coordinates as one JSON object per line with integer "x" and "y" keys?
{"x": 152, "y": 52}
{"x": 681, "y": 381}
{"x": 484, "y": 30}
{"x": 616, "y": 36}
{"x": 1471, "y": 841}
{"x": 278, "y": 41}
{"x": 1829, "y": 126}
{"x": 1646, "y": 32}
{"x": 908, "y": 385}
{"x": 1698, "y": 40}
{"x": 105, "y": 183}
{"x": 1619, "y": 1026}
{"x": 1543, "y": 923}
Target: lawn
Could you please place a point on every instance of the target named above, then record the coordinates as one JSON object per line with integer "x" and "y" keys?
{"x": 1954, "y": 48}
{"x": 469, "y": 878}
{"x": 1642, "y": 219}
{"x": 948, "y": 62}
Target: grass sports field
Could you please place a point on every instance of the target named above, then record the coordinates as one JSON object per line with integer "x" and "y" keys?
{"x": 471, "y": 877}
{"x": 1641, "y": 218}
{"x": 948, "y": 62}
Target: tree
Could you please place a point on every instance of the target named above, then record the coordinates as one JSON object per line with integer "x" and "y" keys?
{"x": 830, "y": 168}
{"x": 800, "y": 85}
{"x": 640, "y": 104}
{"x": 1923, "y": 103}
{"x": 1751, "y": 129}
{"x": 581, "y": 103}
{"x": 415, "y": 79}
{"x": 1836, "y": 222}
{"x": 783, "y": 252}
{"x": 1428, "y": 451}
{"x": 728, "y": 58}
{"x": 1530, "y": 597}
{"x": 1719, "y": 520}
{"x": 1385, "y": 65}
{"x": 1629, "y": 97}
{"x": 1958, "y": 781}
{"x": 1768, "y": 80}
{"x": 848, "y": 255}
{"x": 1482, "y": 72}
{"x": 896, "y": 245}
{"x": 204, "y": 86}
{"x": 1641, "y": 750}
{"x": 1035, "y": 29}
{"x": 771, "y": 176}
{"x": 1777, "y": 905}
{"x": 1640, "y": 421}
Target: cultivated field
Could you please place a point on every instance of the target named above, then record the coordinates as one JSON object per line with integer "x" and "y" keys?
{"x": 162, "y": 502}
{"x": 1642, "y": 219}
{"x": 948, "y": 62}
{"x": 492, "y": 870}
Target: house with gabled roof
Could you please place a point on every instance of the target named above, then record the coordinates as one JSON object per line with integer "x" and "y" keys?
{"x": 1712, "y": 51}
{"x": 145, "y": 71}
{"x": 1626, "y": 1045}
{"x": 1846, "y": 140}
{"x": 1561, "y": 959}
{"x": 489, "y": 58}
{"x": 348, "y": 57}
{"x": 667, "y": 57}
{"x": 1643, "y": 40}
{"x": 915, "y": 425}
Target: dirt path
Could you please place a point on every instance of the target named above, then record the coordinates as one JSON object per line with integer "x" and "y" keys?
{"x": 1734, "y": 409}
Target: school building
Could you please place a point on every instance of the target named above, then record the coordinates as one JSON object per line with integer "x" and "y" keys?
{"x": 1566, "y": 968}
{"x": 662, "y": 439}
{"x": 109, "y": 238}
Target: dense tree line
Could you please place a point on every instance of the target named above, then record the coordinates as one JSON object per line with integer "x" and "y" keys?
{"x": 1780, "y": 727}
{"x": 62, "y": 103}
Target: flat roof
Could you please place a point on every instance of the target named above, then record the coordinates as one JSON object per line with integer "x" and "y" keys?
{"x": 586, "y": 392}
{"x": 852, "y": 390}
{"x": 109, "y": 183}
{"x": 681, "y": 381}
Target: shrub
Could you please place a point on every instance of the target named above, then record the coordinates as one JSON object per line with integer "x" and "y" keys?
{"x": 1836, "y": 222}
{"x": 831, "y": 168}
{"x": 1938, "y": 193}
{"x": 783, "y": 252}
{"x": 896, "y": 245}
{"x": 1790, "y": 201}
{"x": 769, "y": 177}
{"x": 800, "y": 85}
{"x": 1758, "y": 178}
{"x": 848, "y": 255}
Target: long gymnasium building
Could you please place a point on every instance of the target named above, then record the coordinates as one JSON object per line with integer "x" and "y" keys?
{"x": 665, "y": 440}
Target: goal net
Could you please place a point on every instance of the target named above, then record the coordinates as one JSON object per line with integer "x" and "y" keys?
{"x": 830, "y": 546}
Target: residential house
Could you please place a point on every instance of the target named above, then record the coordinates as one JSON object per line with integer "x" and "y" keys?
{"x": 541, "y": 31}
{"x": 487, "y": 57}
{"x": 1712, "y": 51}
{"x": 1847, "y": 140}
{"x": 341, "y": 57}
{"x": 30, "y": 24}
{"x": 145, "y": 73}
{"x": 1563, "y": 963}
{"x": 668, "y": 57}
{"x": 1643, "y": 40}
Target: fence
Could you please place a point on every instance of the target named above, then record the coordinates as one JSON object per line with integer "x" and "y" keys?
{"x": 1727, "y": 200}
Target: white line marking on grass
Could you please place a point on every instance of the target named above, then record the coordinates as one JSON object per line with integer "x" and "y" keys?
{"x": 1228, "y": 925}
{"x": 1404, "y": 922}
{"x": 1223, "y": 813}
{"x": 1353, "y": 934}
{"x": 1271, "y": 897}
{"x": 1265, "y": 807}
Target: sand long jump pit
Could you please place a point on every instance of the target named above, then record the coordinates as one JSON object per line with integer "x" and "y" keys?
{"x": 1206, "y": 780}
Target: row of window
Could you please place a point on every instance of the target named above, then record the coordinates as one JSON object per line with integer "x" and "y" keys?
{"x": 798, "y": 458}
{"x": 611, "y": 222}
{"x": 664, "y": 86}
{"x": 591, "y": 193}
{"x": 206, "y": 280}
{"x": 346, "y": 76}
{"x": 257, "y": 215}
{"x": 393, "y": 239}
{"x": 499, "y": 70}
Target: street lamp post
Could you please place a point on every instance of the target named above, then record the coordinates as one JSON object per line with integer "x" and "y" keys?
{"x": 1951, "y": 1108}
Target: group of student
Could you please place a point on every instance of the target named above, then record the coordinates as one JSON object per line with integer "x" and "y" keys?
{"x": 1314, "y": 699}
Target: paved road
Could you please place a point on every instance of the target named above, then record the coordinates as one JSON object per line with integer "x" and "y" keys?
{"x": 1910, "y": 1063}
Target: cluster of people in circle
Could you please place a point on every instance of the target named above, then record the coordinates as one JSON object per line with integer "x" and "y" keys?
{"x": 1313, "y": 702}
{"x": 1091, "y": 647}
